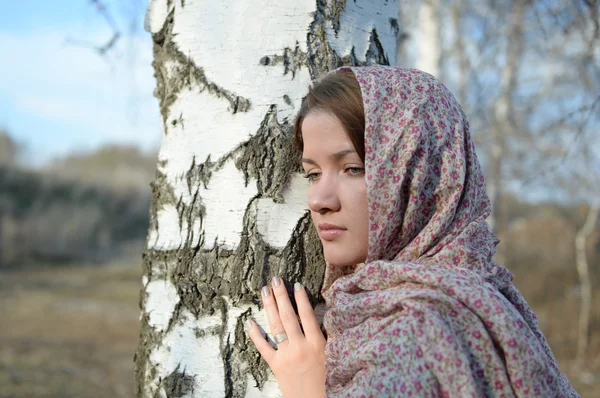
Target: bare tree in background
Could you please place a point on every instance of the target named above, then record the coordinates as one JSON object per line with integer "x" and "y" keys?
{"x": 122, "y": 19}
{"x": 579, "y": 172}
{"x": 591, "y": 66}
{"x": 460, "y": 52}
{"x": 539, "y": 128}
{"x": 430, "y": 50}
{"x": 503, "y": 112}
{"x": 420, "y": 41}
{"x": 9, "y": 149}
{"x": 583, "y": 270}
{"x": 576, "y": 162}
{"x": 229, "y": 206}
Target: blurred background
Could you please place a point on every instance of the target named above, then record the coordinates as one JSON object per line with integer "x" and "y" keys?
{"x": 79, "y": 136}
{"x": 80, "y": 132}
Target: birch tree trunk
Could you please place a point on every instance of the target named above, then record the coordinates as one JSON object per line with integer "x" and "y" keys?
{"x": 429, "y": 39}
{"x": 460, "y": 52}
{"x": 583, "y": 271}
{"x": 503, "y": 122}
{"x": 229, "y": 205}
{"x": 419, "y": 42}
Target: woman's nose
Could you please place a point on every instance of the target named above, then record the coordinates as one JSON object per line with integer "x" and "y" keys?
{"x": 323, "y": 196}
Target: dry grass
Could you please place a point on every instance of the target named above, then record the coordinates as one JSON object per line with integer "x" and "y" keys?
{"x": 554, "y": 297}
{"x": 68, "y": 332}
{"x": 71, "y": 332}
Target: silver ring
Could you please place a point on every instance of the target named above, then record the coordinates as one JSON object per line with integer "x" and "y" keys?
{"x": 280, "y": 338}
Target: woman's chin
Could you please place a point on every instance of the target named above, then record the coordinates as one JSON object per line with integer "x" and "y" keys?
{"x": 342, "y": 261}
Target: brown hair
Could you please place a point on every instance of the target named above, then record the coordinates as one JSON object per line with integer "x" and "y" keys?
{"x": 338, "y": 94}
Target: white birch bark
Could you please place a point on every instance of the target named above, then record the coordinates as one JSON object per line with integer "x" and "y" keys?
{"x": 229, "y": 206}
{"x": 502, "y": 110}
{"x": 429, "y": 38}
{"x": 419, "y": 42}
{"x": 460, "y": 52}
{"x": 583, "y": 271}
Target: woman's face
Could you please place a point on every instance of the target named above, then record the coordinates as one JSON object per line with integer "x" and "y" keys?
{"x": 337, "y": 196}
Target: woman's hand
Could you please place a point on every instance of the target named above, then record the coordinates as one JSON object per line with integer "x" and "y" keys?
{"x": 299, "y": 361}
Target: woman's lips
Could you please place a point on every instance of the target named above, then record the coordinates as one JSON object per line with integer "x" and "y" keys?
{"x": 330, "y": 231}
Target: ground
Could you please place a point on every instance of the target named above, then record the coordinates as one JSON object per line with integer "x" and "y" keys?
{"x": 69, "y": 332}
{"x": 72, "y": 331}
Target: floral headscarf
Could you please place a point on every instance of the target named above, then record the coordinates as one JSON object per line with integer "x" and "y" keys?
{"x": 429, "y": 314}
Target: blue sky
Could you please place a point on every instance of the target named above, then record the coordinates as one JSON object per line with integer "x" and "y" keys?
{"x": 58, "y": 96}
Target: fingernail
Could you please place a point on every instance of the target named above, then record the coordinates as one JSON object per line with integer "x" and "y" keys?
{"x": 248, "y": 324}
{"x": 297, "y": 286}
{"x": 276, "y": 281}
{"x": 265, "y": 291}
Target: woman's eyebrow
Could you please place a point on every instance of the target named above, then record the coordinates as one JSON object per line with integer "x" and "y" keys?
{"x": 341, "y": 154}
{"x": 337, "y": 156}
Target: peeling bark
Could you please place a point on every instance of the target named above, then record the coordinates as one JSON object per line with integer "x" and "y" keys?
{"x": 229, "y": 206}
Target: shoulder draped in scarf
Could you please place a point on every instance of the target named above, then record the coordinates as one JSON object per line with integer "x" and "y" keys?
{"x": 429, "y": 314}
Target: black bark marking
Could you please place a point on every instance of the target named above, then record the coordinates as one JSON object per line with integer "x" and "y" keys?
{"x": 178, "y": 384}
{"x": 182, "y": 73}
{"x": 226, "y": 354}
{"x": 265, "y": 61}
{"x": 375, "y": 53}
{"x": 292, "y": 60}
{"x": 322, "y": 58}
{"x": 270, "y": 157}
{"x": 333, "y": 11}
{"x": 395, "y": 26}
{"x": 162, "y": 194}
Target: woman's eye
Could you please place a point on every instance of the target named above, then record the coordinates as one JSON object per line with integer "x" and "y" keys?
{"x": 355, "y": 171}
{"x": 312, "y": 176}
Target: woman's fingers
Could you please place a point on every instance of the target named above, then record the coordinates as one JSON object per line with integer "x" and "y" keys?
{"x": 310, "y": 324}
{"x": 262, "y": 345}
{"x": 275, "y": 325}
{"x": 287, "y": 315}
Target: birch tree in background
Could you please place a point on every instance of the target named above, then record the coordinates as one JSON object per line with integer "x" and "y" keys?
{"x": 528, "y": 75}
{"x": 590, "y": 66}
{"x": 419, "y": 43}
{"x": 229, "y": 205}
{"x": 503, "y": 118}
{"x": 429, "y": 39}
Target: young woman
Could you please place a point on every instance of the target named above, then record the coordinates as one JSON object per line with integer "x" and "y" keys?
{"x": 416, "y": 307}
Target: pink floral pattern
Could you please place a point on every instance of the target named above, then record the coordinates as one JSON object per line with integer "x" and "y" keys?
{"x": 429, "y": 314}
